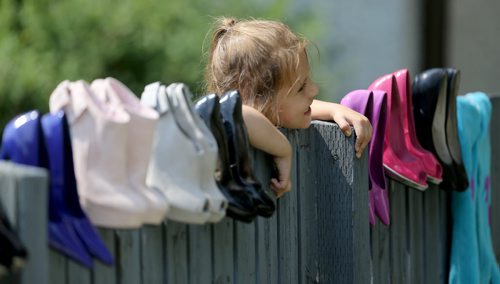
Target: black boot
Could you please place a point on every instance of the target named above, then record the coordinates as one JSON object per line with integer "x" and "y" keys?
{"x": 452, "y": 129}
{"x": 231, "y": 110}
{"x": 430, "y": 110}
{"x": 241, "y": 206}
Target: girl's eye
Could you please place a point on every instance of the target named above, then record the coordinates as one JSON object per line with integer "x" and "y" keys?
{"x": 302, "y": 87}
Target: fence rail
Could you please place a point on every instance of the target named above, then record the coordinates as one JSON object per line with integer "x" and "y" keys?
{"x": 319, "y": 233}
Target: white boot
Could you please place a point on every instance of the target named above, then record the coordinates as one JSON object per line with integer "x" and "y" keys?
{"x": 139, "y": 142}
{"x": 97, "y": 137}
{"x": 197, "y": 131}
{"x": 173, "y": 166}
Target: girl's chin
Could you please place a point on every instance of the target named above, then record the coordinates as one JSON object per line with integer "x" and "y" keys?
{"x": 299, "y": 125}
{"x": 298, "y": 122}
{"x": 307, "y": 124}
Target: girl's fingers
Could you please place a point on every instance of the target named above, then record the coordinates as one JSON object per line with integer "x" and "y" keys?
{"x": 280, "y": 187}
{"x": 344, "y": 126}
{"x": 363, "y": 130}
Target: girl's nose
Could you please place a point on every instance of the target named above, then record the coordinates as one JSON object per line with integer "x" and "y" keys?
{"x": 314, "y": 90}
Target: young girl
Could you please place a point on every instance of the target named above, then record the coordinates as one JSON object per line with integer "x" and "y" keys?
{"x": 268, "y": 64}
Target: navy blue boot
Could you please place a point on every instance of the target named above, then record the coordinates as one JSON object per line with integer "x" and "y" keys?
{"x": 23, "y": 143}
{"x": 63, "y": 185}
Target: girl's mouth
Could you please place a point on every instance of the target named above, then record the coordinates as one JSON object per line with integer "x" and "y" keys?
{"x": 308, "y": 112}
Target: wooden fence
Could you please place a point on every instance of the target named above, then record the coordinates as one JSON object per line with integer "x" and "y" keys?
{"x": 319, "y": 234}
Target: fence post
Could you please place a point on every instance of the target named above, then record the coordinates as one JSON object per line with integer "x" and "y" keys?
{"x": 332, "y": 206}
{"x": 23, "y": 193}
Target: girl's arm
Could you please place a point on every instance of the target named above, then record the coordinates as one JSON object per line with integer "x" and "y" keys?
{"x": 344, "y": 117}
{"x": 264, "y": 136}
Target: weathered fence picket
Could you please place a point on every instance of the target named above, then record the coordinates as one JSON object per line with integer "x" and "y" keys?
{"x": 23, "y": 192}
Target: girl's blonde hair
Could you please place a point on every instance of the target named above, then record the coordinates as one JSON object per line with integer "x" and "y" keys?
{"x": 256, "y": 57}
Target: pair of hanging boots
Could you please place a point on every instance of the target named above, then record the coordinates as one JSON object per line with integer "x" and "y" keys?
{"x": 373, "y": 104}
{"x": 111, "y": 135}
{"x": 200, "y": 158}
{"x": 247, "y": 198}
{"x": 45, "y": 142}
{"x": 404, "y": 158}
{"x": 394, "y": 147}
{"x": 435, "y": 94}
{"x": 183, "y": 158}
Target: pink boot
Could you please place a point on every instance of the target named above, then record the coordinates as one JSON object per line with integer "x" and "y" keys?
{"x": 98, "y": 133}
{"x": 140, "y": 133}
{"x": 431, "y": 166}
{"x": 399, "y": 162}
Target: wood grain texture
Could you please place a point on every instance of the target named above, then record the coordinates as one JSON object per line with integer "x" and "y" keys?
{"x": 77, "y": 274}
{"x": 266, "y": 229}
{"x": 24, "y": 194}
{"x": 200, "y": 253}
{"x": 223, "y": 256}
{"x": 58, "y": 267}
{"x": 432, "y": 242}
{"x": 102, "y": 273}
{"x": 152, "y": 258}
{"x": 343, "y": 234}
{"x": 128, "y": 260}
{"x": 416, "y": 234}
{"x": 445, "y": 229}
{"x": 398, "y": 233}
{"x": 245, "y": 259}
{"x": 176, "y": 251}
{"x": 307, "y": 195}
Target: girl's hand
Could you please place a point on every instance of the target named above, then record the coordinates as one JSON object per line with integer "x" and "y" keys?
{"x": 345, "y": 117}
{"x": 283, "y": 183}
{"x": 264, "y": 136}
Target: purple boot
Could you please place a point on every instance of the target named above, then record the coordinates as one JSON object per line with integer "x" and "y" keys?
{"x": 378, "y": 188}
{"x": 362, "y": 102}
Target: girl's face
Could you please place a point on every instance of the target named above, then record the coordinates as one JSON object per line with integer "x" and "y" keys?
{"x": 294, "y": 109}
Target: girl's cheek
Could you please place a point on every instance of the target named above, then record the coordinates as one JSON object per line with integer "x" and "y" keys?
{"x": 283, "y": 118}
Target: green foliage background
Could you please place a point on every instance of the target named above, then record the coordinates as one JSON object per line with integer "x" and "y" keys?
{"x": 44, "y": 42}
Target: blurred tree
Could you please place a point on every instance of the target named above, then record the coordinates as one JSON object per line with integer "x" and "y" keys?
{"x": 44, "y": 42}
